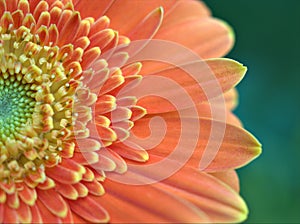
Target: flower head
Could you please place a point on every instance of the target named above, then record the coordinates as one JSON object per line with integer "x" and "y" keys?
{"x": 82, "y": 81}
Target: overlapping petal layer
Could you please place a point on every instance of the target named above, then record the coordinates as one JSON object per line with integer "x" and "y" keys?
{"x": 69, "y": 60}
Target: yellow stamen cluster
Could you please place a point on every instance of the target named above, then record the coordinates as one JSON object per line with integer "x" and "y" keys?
{"x": 36, "y": 104}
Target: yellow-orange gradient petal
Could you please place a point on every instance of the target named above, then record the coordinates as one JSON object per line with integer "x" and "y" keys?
{"x": 216, "y": 77}
{"x": 207, "y": 195}
{"x": 236, "y": 147}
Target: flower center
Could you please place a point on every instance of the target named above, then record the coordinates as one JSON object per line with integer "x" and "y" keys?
{"x": 16, "y": 106}
{"x": 36, "y": 102}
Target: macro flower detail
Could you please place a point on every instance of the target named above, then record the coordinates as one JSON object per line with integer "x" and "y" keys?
{"x": 75, "y": 113}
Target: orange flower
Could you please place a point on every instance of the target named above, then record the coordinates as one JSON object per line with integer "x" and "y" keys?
{"x": 84, "y": 87}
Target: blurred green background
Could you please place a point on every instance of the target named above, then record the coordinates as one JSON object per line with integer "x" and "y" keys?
{"x": 268, "y": 43}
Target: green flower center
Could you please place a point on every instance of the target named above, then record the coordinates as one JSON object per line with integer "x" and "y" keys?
{"x": 16, "y": 106}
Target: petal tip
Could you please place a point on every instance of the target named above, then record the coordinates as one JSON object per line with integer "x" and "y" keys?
{"x": 231, "y": 32}
{"x": 256, "y": 148}
{"x": 243, "y": 215}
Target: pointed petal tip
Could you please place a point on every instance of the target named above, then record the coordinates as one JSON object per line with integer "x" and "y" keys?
{"x": 242, "y": 69}
{"x": 256, "y": 148}
{"x": 258, "y": 145}
{"x": 231, "y": 65}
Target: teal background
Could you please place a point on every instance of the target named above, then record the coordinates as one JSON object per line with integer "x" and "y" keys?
{"x": 268, "y": 43}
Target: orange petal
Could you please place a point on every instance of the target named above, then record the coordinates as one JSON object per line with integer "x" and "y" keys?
{"x": 121, "y": 133}
{"x": 233, "y": 120}
{"x": 147, "y": 28}
{"x": 46, "y": 215}
{"x": 104, "y": 164}
{"x": 54, "y": 202}
{"x": 23, "y": 6}
{"x": 213, "y": 78}
{"x": 28, "y": 195}
{"x": 130, "y": 151}
{"x": 94, "y": 188}
{"x": 67, "y": 190}
{"x": 89, "y": 175}
{"x": 36, "y": 215}
{"x": 137, "y": 112}
{"x": 42, "y": 6}
{"x": 112, "y": 83}
{"x": 81, "y": 190}
{"x": 216, "y": 199}
{"x": 132, "y": 69}
{"x": 213, "y": 110}
{"x": 229, "y": 177}
{"x": 147, "y": 203}
{"x": 93, "y": 8}
{"x": 89, "y": 209}
{"x": 120, "y": 114}
{"x": 106, "y": 134}
{"x": 227, "y": 71}
{"x": 2, "y": 7}
{"x": 121, "y": 165}
{"x": 185, "y": 10}
{"x": 89, "y": 57}
{"x": 218, "y": 146}
{"x": 24, "y": 213}
{"x": 69, "y": 29}
{"x": 69, "y": 217}
{"x": 10, "y": 215}
{"x": 47, "y": 184}
{"x": 9, "y": 188}
{"x": 126, "y": 101}
{"x": 102, "y": 38}
{"x": 208, "y": 37}
{"x": 87, "y": 145}
{"x": 13, "y": 200}
{"x": 105, "y": 104}
{"x": 208, "y": 194}
{"x": 231, "y": 98}
{"x": 121, "y": 10}
{"x": 100, "y": 24}
{"x": 85, "y": 158}
{"x": 1, "y": 209}
{"x": 64, "y": 175}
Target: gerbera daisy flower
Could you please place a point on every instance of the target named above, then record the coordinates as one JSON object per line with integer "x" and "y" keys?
{"x": 84, "y": 87}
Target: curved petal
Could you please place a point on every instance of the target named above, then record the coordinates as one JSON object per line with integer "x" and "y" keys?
{"x": 46, "y": 215}
{"x": 54, "y": 202}
{"x": 87, "y": 7}
{"x": 231, "y": 98}
{"x": 148, "y": 203}
{"x": 229, "y": 177}
{"x": 226, "y": 147}
{"x": 175, "y": 199}
{"x": 185, "y": 10}
{"x": 10, "y": 215}
{"x": 121, "y": 10}
{"x": 208, "y": 37}
{"x": 148, "y": 26}
{"x": 213, "y": 110}
{"x": 88, "y": 209}
{"x": 200, "y": 81}
{"x": 216, "y": 199}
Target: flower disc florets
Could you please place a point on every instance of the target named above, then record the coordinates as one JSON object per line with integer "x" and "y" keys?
{"x": 36, "y": 102}
{"x": 53, "y": 77}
